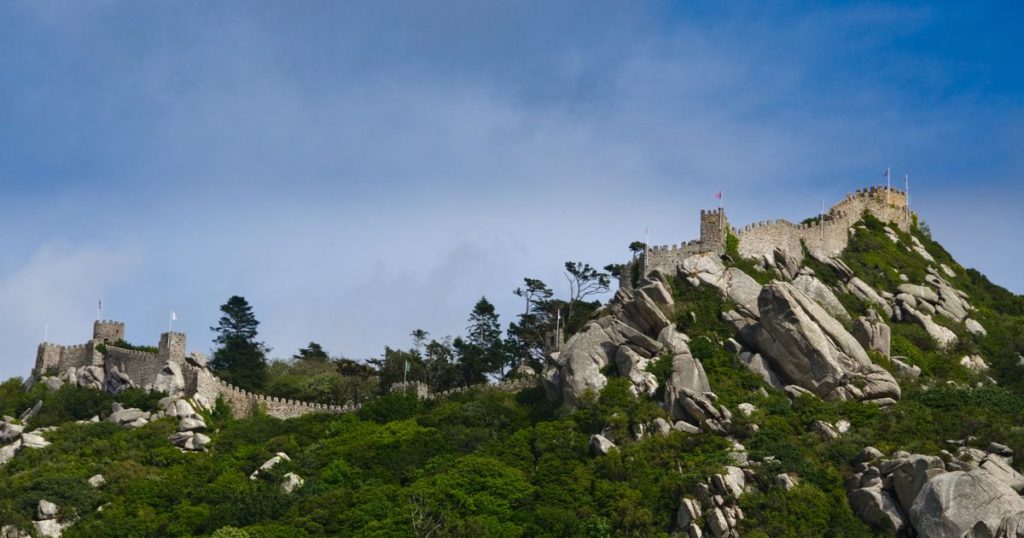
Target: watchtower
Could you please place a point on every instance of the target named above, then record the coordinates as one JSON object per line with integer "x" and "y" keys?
{"x": 108, "y": 331}
{"x": 713, "y": 228}
{"x": 172, "y": 347}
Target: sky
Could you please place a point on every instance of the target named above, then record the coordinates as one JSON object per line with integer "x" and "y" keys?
{"x": 358, "y": 170}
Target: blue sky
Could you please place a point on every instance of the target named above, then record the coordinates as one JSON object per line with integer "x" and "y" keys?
{"x": 358, "y": 170}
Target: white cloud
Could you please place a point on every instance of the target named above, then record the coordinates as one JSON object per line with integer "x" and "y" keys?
{"x": 58, "y": 287}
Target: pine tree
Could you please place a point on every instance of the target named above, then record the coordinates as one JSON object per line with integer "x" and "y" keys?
{"x": 240, "y": 359}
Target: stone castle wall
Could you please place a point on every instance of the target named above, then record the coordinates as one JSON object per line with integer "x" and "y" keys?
{"x": 108, "y": 331}
{"x": 142, "y": 367}
{"x": 827, "y": 238}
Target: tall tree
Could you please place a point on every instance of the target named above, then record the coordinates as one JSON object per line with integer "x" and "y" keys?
{"x": 482, "y": 351}
{"x": 529, "y": 338}
{"x": 584, "y": 281}
{"x": 240, "y": 359}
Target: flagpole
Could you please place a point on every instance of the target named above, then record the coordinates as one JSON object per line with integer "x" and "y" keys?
{"x": 46, "y": 332}
{"x": 888, "y": 183}
{"x": 821, "y": 221}
{"x": 906, "y": 185}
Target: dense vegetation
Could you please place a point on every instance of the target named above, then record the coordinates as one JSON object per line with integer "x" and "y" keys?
{"x": 490, "y": 463}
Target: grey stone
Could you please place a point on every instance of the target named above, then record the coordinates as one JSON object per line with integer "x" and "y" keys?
{"x": 33, "y": 440}
{"x": 1004, "y": 473}
{"x": 634, "y": 367}
{"x": 904, "y": 369}
{"x": 912, "y": 474}
{"x": 873, "y": 333}
{"x": 191, "y": 424}
{"x": 291, "y": 482}
{"x": 673, "y": 340}
{"x": 808, "y": 347}
{"x": 128, "y": 416}
{"x": 756, "y": 363}
{"x": 943, "y": 336}
{"x": 170, "y": 380}
{"x": 866, "y": 293}
{"x": 786, "y": 481}
{"x": 48, "y": 528}
{"x": 953, "y": 503}
{"x": 117, "y": 381}
{"x": 46, "y": 510}
{"x": 10, "y": 432}
{"x": 52, "y": 383}
{"x": 869, "y": 454}
{"x": 1011, "y": 526}
{"x": 689, "y": 512}
{"x": 878, "y": 509}
{"x": 600, "y": 445}
{"x": 746, "y": 409}
{"x": 920, "y": 292}
{"x": 687, "y": 375}
{"x": 683, "y": 426}
{"x": 999, "y": 448}
{"x": 717, "y": 523}
{"x": 819, "y": 292}
{"x": 31, "y": 412}
{"x": 97, "y": 481}
{"x": 8, "y": 452}
{"x": 974, "y": 327}
{"x": 660, "y": 426}
{"x": 584, "y": 355}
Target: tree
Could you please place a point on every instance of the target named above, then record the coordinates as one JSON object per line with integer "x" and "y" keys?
{"x": 312, "y": 352}
{"x": 240, "y": 359}
{"x": 636, "y": 247}
{"x": 528, "y": 339}
{"x": 237, "y": 321}
{"x": 584, "y": 281}
{"x": 419, "y": 338}
{"x": 482, "y": 351}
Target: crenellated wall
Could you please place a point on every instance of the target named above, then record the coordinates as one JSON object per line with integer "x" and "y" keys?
{"x": 142, "y": 367}
{"x": 827, "y": 237}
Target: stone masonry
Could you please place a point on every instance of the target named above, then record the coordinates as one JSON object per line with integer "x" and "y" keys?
{"x": 142, "y": 367}
{"x": 826, "y": 237}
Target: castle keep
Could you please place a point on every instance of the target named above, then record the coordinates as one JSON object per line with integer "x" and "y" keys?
{"x": 823, "y": 238}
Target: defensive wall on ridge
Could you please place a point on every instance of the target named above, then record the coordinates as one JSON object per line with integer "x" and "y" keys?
{"x": 824, "y": 237}
{"x": 143, "y": 367}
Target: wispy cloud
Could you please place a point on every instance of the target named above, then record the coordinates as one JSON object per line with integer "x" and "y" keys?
{"x": 361, "y": 171}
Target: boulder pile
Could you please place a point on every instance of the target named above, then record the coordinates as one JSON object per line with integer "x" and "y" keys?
{"x": 974, "y": 493}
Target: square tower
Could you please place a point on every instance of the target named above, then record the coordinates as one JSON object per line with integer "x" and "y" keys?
{"x": 107, "y": 331}
{"x": 713, "y": 228}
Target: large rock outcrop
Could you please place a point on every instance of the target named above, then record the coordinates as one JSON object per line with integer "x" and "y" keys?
{"x": 807, "y": 347}
{"x": 627, "y": 336}
{"x": 817, "y": 290}
{"x": 958, "y": 502}
{"x": 733, "y": 283}
{"x": 873, "y": 333}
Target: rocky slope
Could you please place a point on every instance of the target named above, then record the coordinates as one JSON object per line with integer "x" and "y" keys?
{"x": 820, "y": 330}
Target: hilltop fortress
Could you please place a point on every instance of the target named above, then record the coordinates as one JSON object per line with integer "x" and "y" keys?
{"x": 102, "y": 364}
{"x": 769, "y": 240}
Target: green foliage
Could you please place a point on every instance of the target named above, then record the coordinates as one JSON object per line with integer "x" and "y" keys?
{"x": 126, "y": 345}
{"x": 240, "y": 359}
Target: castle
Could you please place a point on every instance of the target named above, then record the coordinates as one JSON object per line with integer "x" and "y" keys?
{"x": 101, "y": 360}
{"x": 823, "y": 238}
{"x": 104, "y": 364}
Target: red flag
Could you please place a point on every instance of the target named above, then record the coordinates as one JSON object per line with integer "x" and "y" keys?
{"x": 718, "y": 195}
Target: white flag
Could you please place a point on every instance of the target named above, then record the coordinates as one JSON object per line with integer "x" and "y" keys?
{"x": 174, "y": 316}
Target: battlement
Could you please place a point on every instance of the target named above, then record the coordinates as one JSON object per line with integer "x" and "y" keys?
{"x": 826, "y": 236}
{"x": 108, "y": 331}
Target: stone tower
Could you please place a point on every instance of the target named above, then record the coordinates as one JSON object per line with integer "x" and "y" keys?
{"x": 713, "y": 228}
{"x": 107, "y": 331}
{"x": 172, "y": 347}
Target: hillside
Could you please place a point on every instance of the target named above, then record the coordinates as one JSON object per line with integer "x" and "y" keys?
{"x": 845, "y": 377}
